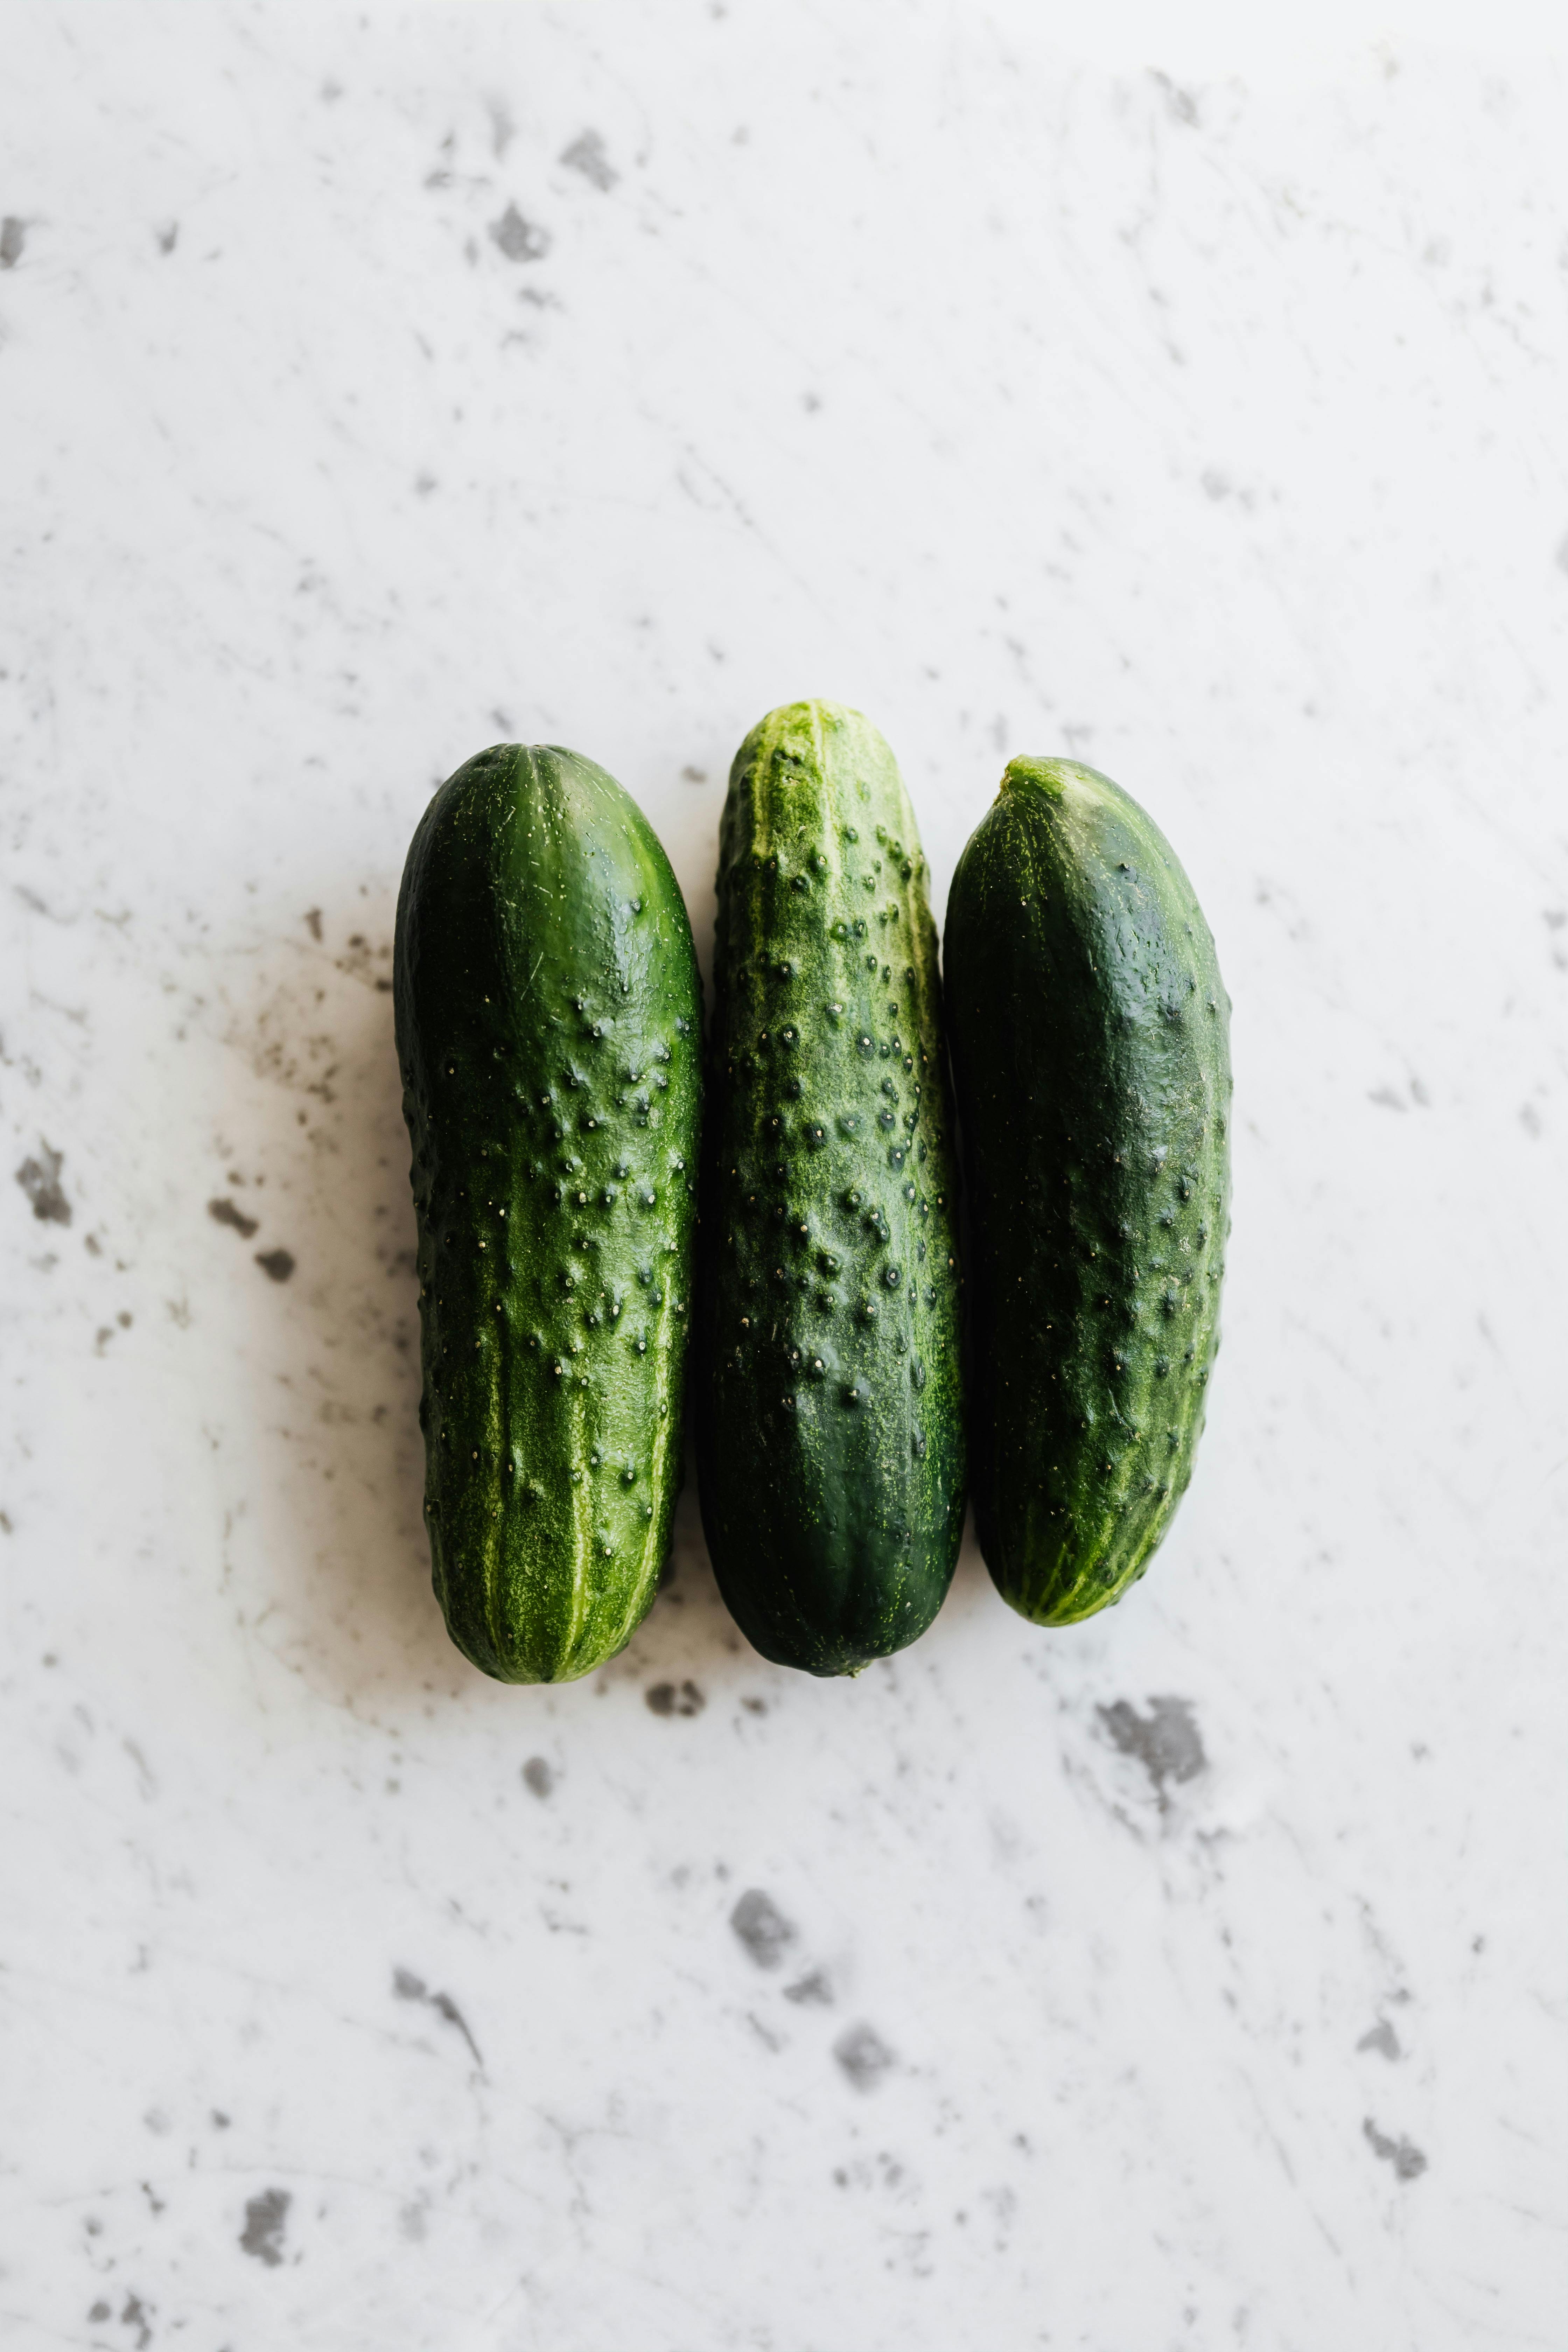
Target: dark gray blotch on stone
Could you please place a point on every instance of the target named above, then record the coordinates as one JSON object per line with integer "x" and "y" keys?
{"x": 864, "y": 2056}
{"x": 519, "y": 239}
{"x": 813, "y": 1987}
{"x": 41, "y": 1179}
{"x": 277, "y": 1264}
{"x": 1407, "y": 2159}
{"x": 13, "y": 237}
{"x": 1165, "y": 1741}
{"x": 586, "y": 154}
{"x": 1380, "y": 2037}
{"x": 761, "y": 1927}
{"x": 537, "y": 1776}
{"x": 264, "y": 2219}
{"x": 223, "y": 1212}
{"x": 665, "y": 1699}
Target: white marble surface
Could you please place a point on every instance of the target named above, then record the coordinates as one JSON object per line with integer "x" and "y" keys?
{"x": 377, "y": 383}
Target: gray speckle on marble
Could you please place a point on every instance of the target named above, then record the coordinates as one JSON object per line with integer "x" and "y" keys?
{"x": 1407, "y": 2158}
{"x": 519, "y": 239}
{"x": 586, "y": 154}
{"x": 1165, "y": 1741}
{"x": 13, "y": 238}
{"x": 762, "y": 1927}
{"x": 265, "y": 2218}
{"x": 665, "y": 1698}
{"x": 223, "y": 1212}
{"x": 503, "y": 129}
{"x": 41, "y": 1179}
{"x": 864, "y": 2056}
{"x": 1381, "y": 2038}
{"x": 537, "y": 1776}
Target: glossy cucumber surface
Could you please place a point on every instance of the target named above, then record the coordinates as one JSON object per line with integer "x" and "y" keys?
{"x": 830, "y": 1428}
{"x": 549, "y": 1024}
{"x": 1089, "y": 1031}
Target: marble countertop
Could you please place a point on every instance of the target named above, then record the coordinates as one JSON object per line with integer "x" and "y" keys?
{"x": 375, "y": 384}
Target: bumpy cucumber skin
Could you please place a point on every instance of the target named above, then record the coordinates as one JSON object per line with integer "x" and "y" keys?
{"x": 549, "y": 1023}
{"x": 1089, "y": 1031}
{"x": 831, "y": 1455}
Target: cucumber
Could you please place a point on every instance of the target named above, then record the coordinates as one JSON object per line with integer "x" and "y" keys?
{"x": 548, "y": 1030}
{"x": 1089, "y": 1030}
{"x": 830, "y": 1431}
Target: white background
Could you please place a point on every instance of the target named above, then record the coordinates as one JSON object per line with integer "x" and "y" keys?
{"x": 1198, "y": 411}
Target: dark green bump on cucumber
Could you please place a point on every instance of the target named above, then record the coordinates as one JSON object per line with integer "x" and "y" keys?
{"x": 830, "y": 1431}
{"x": 1089, "y": 1030}
{"x": 548, "y": 1030}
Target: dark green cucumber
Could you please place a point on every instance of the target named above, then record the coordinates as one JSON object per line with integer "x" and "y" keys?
{"x": 1089, "y": 1030}
{"x": 548, "y": 1030}
{"x": 830, "y": 1433}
